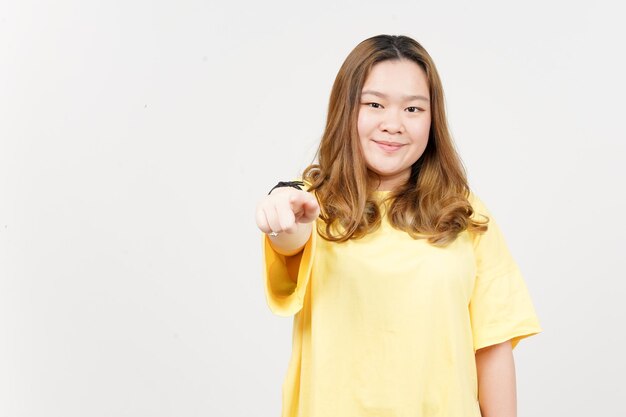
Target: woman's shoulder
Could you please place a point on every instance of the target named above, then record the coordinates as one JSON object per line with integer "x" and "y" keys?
{"x": 477, "y": 204}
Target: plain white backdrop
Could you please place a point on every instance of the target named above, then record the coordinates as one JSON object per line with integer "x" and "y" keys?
{"x": 136, "y": 138}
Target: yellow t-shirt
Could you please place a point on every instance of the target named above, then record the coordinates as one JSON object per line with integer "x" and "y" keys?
{"x": 388, "y": 326}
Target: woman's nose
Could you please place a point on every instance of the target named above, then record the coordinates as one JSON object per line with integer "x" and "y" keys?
{"x": 392, "y": 122}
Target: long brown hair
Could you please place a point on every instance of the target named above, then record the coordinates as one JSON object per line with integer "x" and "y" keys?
{"x": 432, "y": 204}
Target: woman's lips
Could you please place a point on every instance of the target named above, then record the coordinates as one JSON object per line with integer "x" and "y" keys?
{"x": 389, "y": 146}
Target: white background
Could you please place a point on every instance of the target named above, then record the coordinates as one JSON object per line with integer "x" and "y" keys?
{"x": 136, "y": 138}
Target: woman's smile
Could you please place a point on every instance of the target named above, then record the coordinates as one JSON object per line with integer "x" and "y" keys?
{"x": 389, "y": 146}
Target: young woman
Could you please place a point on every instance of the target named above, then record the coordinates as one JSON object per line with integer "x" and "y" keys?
{"x": 406, "y": 299}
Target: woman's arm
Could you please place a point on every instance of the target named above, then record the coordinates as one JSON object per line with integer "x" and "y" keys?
{"x": 496, "y": 381}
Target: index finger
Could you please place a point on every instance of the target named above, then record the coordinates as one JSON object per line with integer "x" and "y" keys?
{"x": 296, "y": 201}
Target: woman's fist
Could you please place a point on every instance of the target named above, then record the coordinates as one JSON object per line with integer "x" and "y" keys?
{"x": 284, "y": 209}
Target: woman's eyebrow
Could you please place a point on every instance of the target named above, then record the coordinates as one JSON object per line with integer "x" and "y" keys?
{"x": 406, "y": 98}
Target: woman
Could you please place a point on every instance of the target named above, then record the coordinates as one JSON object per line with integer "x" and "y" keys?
{"x": 406, "y": 299}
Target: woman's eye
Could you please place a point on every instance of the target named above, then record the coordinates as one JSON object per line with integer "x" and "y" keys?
{"x": 413, "y": 109}
{"x": 374, "y": 105}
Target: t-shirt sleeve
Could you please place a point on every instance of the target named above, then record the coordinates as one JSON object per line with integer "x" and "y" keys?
{"x": 287, "y": 277}
{"x": 500, "y": 307}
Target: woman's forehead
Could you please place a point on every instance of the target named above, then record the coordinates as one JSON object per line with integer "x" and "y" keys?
{"x": 400, "y": 79}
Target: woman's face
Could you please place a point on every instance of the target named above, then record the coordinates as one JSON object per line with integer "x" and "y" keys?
{"x": 394, "y": 120}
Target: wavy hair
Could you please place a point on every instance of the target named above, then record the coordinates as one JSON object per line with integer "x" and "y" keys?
{"x": 432, "y": 204}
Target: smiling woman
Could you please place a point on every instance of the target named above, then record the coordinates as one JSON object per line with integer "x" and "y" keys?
{"x": 406, "y": 300}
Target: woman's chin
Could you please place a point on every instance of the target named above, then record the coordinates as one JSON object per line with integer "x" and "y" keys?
{"x": 386, "y": 172}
